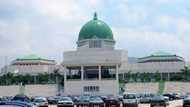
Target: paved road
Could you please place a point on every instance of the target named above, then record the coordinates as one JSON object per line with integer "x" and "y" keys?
{"x": 177, "y": 103}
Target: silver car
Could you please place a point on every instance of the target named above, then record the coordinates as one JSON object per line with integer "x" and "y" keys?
{"x": 130, "y": 100}
{"x": 40, "y": 102}
{"x": 65, "y": 102}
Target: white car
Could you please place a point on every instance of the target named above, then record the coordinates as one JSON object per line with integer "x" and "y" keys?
{"x": 130, "y": 100}
{"x": 65, "y": 102}
{"x": 40, "y": 102}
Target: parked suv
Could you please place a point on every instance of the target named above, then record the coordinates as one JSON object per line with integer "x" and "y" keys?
{"x": 186, "y": 101}
{"x": 130, "y": 100}
{"x": 159, "y": 100}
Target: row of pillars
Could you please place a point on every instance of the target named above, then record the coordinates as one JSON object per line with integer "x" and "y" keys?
{"x": 99, "y": 73}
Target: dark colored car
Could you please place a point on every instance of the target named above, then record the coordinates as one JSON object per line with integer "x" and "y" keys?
{"x": 74, "y": 98}
{"x": 103, "y": 98}
{"x": 83, "y": 101}
{"x": 96, "y": 101}
{"x": 23, "y": 98}
{"x": 15, "y": 104}
{"x": 112, "y": 101}
{"x": 186, "y": 101}
{"x": 159, "y": 100}
{"x": 170, "y": 96}
{"x": 53, "y": 99}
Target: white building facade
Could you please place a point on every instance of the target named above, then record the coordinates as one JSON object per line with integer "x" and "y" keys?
{"x": 96, "y": 66}
{"x": 30, "y": 64}
{"x": 93, "y": 68}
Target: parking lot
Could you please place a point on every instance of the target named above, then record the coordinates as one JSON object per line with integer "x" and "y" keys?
{"x": 176, "y": 103}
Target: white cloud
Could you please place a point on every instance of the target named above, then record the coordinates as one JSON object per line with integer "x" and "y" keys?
{"x": 147, "y": 41}
{"x": 132, "y": 12}
{"x": 65, "y": 9}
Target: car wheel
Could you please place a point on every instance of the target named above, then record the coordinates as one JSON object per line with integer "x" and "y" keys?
{"x": 151, "y": 105}
{"x": 124, "y": 105}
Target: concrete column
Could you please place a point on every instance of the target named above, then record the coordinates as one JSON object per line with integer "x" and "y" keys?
{"x": 161, "y": 76}
{"x": 99, "y": 72}
{"x": 65, "y": 74}
{"x": 168, "y": 76}
{"x": 82, "y": 72}
{"x": 35, "y": 80}
{"x": 117, "y": 75}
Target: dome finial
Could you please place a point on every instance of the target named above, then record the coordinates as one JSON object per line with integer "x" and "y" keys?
{"x": 95, "y": 16}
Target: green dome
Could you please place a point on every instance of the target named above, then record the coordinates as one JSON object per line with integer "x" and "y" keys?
{"x": 95, "y": 29}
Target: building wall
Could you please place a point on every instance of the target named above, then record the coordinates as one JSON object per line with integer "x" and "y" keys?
{"x": 153, "y": 67}
{"x": 95, "y": 56}
{"x": 30, "y": 69}
{"x": 107, "y": 87}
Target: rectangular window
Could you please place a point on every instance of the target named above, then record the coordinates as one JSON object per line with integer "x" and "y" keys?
{"x": 73, "y": 72}
{"x": 91, "y": 72}
{"x": 108, "y": 72}
{"x": 91, "y": 88}
{"x": 95, "y": 44}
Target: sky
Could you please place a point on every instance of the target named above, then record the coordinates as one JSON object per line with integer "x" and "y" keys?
{"x": 50, "y": 27}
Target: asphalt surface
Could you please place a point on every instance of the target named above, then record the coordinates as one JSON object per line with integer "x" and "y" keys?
{"x": 176, "y": 103}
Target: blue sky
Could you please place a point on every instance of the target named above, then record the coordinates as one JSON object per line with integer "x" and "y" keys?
{"x": 50, "y": 27}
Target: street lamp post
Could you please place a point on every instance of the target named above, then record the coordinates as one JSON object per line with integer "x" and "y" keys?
{"x": 21, "y": 86}
{"x": 57, "y": 80}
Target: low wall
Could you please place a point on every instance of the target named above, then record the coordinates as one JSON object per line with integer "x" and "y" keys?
{"x": 170, "y": 87}
{"x": 30, "y": 90}
{"x": 141, "y": 87}
{"x": 51, "y": 89}
{"x": 177, "y": 87}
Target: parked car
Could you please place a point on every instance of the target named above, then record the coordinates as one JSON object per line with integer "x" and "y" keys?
{"x": 177, "y": 95}
{"x": 40, "y": 102}
{"x": 170, "y": 96}
{"x": 96, "y": 101}
{"x": 112, "y": 101}
{"x": 65, "y": 102}
{"x": 75, "y": 98}
{"x": 1, "y": 98}
{"x": 159, "y": 100}
{"x": 120, "y": 97}
{"x": 103, "y": 98}
{"x": 15, "y": 104}
{"x": 53, "y": 99}
{"x": 23, "y": 98}
{"x": 186, "y": 101}
{"x": 130, "y": 100}
{"x": 145, "y": 98}
{"x": 83, "y": 101}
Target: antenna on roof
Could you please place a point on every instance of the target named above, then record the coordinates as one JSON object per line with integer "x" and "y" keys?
{"x": 95, "y": 16}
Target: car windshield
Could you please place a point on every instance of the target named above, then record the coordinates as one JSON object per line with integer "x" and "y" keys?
{"x": 129, "y": 96}
{"x": 39, "y": 100}
{"x": 95, "y": 99}
{"x": 66, "y": 99}
{"x": 84, "y": 98}
{"x": 187, "y": 97}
